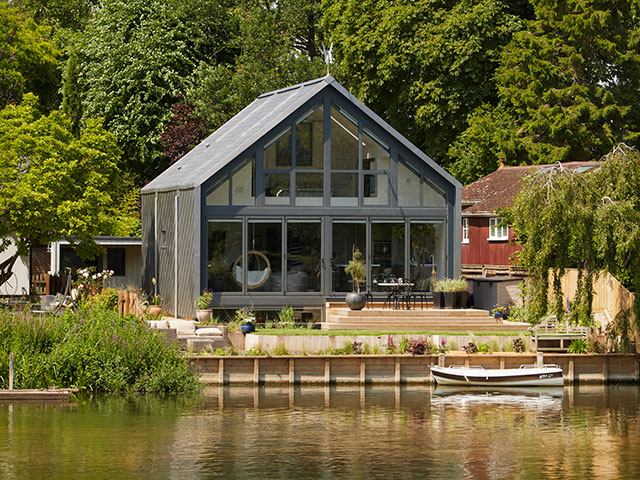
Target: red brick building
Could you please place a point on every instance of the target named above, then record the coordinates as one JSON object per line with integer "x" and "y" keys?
{"x": 487, "y": 241}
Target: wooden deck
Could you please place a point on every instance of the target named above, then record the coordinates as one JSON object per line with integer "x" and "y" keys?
{"x": 50, "y": 395}
{"x": 339, "y": 317}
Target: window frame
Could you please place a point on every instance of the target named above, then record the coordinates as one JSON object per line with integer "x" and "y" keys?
{"x": 465, "y": 230}
{"x": 498, "y": 229}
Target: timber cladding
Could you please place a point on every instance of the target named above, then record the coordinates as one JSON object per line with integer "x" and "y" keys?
{"x": 366, "y": 369}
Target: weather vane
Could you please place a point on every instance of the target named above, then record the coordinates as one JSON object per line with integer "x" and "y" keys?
{"x": 328, "y": 55}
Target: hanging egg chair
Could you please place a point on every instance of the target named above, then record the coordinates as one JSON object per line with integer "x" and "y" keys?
{"x": 255, "y": 278}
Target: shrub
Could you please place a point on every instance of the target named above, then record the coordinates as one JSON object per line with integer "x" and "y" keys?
{"x": 518, "y": 345}
{"x": 92, "y": 348}
{"x": 404, "y": 345}
{"x": 285, "y": 314}
{"x": 280, "y": 350}
{"x": 484, "y": 348}
{"x": 578, "y": 346}
{"x": 420, "y": 346}
{"x": 357, "y": 348}
{"x": 470, "y": 347}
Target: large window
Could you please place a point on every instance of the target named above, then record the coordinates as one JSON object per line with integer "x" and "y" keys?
{"x": 415, "y": 189}
{"x": 309, "y": 162}
{"x": 428, "y": 252}
{"x": 277, "y": 168}
{"x": 346, "y": 237}
{"x": 387, "y": 251}
{"x": 304, "y": 260}
{"x": 264, "y": 255}
{"x": 237, "y": 187}
{"x": 224, "y": 256}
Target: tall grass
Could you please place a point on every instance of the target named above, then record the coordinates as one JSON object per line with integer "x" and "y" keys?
{"x": 93, "y": 349}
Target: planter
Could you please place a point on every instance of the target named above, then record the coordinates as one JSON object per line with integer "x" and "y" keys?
{"x": 461, "y": 299}
{"x": 497, "y": 315}
{"x": 154, "y": 309}
{"x": 247, "y": 328}
{"x": 356, "y": 301}
{"x": 203, "y": 315}
{"x": 438, "y": 302}
{"x": 449, "y": 299}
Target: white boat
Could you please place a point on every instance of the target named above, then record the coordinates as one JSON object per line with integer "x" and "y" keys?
{"x": 525, "y": 376}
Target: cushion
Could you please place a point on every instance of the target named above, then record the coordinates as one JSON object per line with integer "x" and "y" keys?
{"x": 158, "y": 323}
{"x": 209, "y": 331}
{"x": 183, "y": 327}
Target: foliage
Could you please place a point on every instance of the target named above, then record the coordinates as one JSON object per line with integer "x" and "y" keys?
{"x": 286, "y": 314}
{"x": 92, "y": 349}
{"x": 68, "y": 14}
{"x": 619, "y": 331}
{"x": 203, "y": 302}
{"x": 498, "y": 309}
{"x": 124, "y": 218}
{"x": 356, "y": 268}
{"x": 54, "y": 185}
{"x": 450, "y": 285}
{"x": 424, "y": 66}
{"x": 484, "y": 348}
{"x": 518, "y": 345}
{"x": 421, "y": 346}
{"x": 357, "y": 348}
{"x": 404, "y": 345}
{"x": 28, "y": 59}
{"x": 90, "y": 282}
{"x": 245, "y": 316}
{"x": 278, "y": 44}
{"x": 470, "y": 347}
{"x": 578, "y": 346}
{"x": 589, "y": 221}
{"x": 183, "y": 132}
{"x": 280, "y": 350}
{"x": 107, "y": 298}
{"x": 135, "y": 59}
{"x": 567, "y": 86}
{"x": 443, "y": 347}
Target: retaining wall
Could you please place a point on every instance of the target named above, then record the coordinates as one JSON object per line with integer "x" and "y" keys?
{"x": 396, "y": 369}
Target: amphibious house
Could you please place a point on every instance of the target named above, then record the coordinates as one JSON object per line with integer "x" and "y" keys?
{"x": 268, "y": 210}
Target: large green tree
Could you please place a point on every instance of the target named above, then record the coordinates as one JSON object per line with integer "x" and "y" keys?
{"x": 568, "y": 86}
{"x": 134, "y": 61}
{"x": 422, "y": 65}
{"x": 28, "y": 59}
{"x": 54, "y": 185}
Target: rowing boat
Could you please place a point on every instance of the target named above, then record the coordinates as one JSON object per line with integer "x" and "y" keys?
{"x": 527, "y": 375}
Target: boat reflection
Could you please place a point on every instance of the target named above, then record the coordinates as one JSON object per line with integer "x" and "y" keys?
{"x": 467, "y": 397}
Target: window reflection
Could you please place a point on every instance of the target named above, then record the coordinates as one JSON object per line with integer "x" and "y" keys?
{"x": 304, "y": 241}
{"x": 224, "y": 255}
{"x": 344, "y": 141}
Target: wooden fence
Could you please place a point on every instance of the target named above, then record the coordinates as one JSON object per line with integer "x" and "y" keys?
{"x": 129, "y": 302}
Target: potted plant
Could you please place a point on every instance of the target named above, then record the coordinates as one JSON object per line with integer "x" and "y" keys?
{"x": 438, "y": 289}
{"x": 356, "y": 300}
{"x": 498, "y": 311}
{"x": 202, "y": 304}
{"x": 247, "y": 319}
{"x": 459, "y": 286}
{"x": 153, "y": 307}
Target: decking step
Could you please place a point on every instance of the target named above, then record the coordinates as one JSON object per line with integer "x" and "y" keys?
{"x": 427, "y": 326}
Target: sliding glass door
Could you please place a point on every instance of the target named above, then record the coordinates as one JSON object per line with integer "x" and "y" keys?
{"x": 347, "y": 236}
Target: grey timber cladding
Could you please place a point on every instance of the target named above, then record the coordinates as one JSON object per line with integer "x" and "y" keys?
{"x": 148, "y": 242}
{"x": 166, "y": 234}
{"x": 185, "y": 253}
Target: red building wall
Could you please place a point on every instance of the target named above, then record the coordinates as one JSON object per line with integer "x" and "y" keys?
{"x": 481, "y": 251}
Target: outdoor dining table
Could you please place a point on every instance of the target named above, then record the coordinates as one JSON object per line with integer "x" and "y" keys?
{"x": 395, "y": 292}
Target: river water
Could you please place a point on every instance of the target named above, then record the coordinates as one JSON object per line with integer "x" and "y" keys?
{"x": 329, "y": 432}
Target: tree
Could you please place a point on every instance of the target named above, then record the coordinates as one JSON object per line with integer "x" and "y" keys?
{"x": 424, "y": 66}
{"x": 53, "y": 185}
{"x": 589, "y": 221}
{"x": 69, "y": 14}
{"x": 567, "y": 88}
{"x": 135, "y": 60}
{"x": 28, "y": 59}
{"x": 278, "y": 45}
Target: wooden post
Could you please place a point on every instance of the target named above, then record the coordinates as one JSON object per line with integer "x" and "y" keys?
{"x": 605, "y": 369}
{"x": 256, "y": 371}
{"x": 540, "y": 358}
{"x": 292, "y": 372}
{"x": 571, "y": 374}
{"x": 327, "y": 371}
{"x": 501, "y": 362}
{"x": 11, "y": 371}
{"x": 397, "y": 371}
{"x": 466, "y": 361}
{"x": 441, "y": 359}
{"x": 363, "y": 372}
{"x": 221, "y": 371}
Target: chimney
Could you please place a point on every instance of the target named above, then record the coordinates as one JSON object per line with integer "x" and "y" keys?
{"x": 501, "y": 162}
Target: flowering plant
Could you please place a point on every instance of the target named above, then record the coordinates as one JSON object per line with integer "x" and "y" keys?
{"x": 91, "y": 283}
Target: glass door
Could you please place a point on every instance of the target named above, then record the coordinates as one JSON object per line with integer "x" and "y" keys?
{"x": 304, "y": 255}
{"x": 346, "y": 237}
{"x": 387, "y": 251}
{"x": 264, "y": 255}
{"x": 428, "y": 252}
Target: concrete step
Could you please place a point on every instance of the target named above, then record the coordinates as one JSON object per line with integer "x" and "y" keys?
{"x": 449, "y": 326}
{"x": 366, "y": 312}
{"x": 409, "y": 321}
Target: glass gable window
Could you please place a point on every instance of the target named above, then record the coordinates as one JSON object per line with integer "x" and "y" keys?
{"x": 277, "y": 153}
{"x": 375, "y": 153}
{"x": 277, "y": 166}
{"x": 243, "y": 184}
{"x": 415, "y": 189}
{"x": 344, "y": 141}
{"x": 310, "y": 140}
{"x": 344, "y": 189}
{"x": 304, "y": 264}
{"x": 219, "y": 194}
{"x": 428, "y": 251}
{"x": 376, "y": 189}
{"x": 309, "y": 189}
{"x": 224, "y": 256}
{"x": 277, "y": 187}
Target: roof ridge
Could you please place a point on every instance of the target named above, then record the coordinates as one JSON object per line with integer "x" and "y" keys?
{"x": 327, "y": 78}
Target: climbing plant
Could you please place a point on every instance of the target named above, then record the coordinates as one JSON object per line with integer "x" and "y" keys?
{"x": 590, "y": 220}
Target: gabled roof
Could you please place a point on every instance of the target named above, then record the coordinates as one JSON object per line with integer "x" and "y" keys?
{"x": 250, "y": 125}
{"x": 498, "y": 189}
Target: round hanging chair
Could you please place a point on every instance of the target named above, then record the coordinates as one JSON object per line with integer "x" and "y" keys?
{"x": 255, "y": 278}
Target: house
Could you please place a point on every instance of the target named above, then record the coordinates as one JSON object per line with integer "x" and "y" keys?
{"x": 122, "y": 255}
{"x": 268, "y": 209}
{"x": 487, "y": 241}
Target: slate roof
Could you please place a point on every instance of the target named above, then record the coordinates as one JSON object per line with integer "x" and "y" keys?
{"x": 250, "y": 125}
{"x": 498, "y": 189}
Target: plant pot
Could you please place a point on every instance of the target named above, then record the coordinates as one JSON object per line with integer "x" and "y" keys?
{"x": 154, "y": 309}
{"x": 204, "y": 315}
{"x": 356, "y": 301}
{"x": 247, "y": 328}
{"x": 438, "y": 302}
{"x": 449, "y": 299}
{"x": 461, "y": 299}
{"x": 497, "y": 315}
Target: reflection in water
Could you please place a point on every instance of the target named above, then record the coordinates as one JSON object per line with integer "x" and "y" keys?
{"x": 330, "y": 432}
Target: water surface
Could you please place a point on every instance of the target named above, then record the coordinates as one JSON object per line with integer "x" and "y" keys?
{"x": 329, "y": 432}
